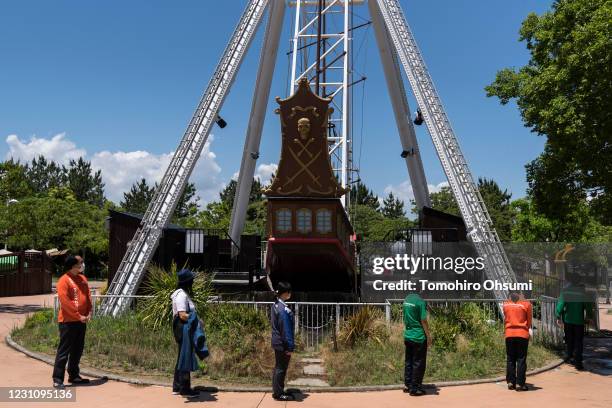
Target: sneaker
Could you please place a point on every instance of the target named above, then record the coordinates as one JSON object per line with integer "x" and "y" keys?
{"x": 284, "y": 397}
{"x": 522, "y": 388}
{"x": 579, "y": 367}
{"x": 58, "y": 385}
{"x": 406, "y": 390}
{"x": 417, "y": 392}
{"x": 175, "y": 392}
{"x": 511, "y": 386}
{"x": 190, "y": 393}
{"x": 79, "y": 380}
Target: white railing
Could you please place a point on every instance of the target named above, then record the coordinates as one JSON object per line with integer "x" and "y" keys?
{"x": 316, "y": 322}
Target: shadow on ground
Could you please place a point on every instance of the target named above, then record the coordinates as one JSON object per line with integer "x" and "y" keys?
{"x": 19, "y": 309}
{"x": 93, "y": 383}
{"x": 597, "y": 356}
{"x": 206, "y": 394}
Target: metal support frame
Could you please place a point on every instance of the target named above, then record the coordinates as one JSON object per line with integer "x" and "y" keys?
{"x": 146, "y": 239}
{"x": 261, "y": 96}
{"x": 395, "y": 40}
{"x": 473, "y": 210}
{"x": 338, "y": 75}
{"x": 399, "y": 102}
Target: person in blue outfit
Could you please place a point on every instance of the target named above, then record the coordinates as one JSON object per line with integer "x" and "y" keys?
{"x": 282, "y": 322}
{"x": 182, "y": 309}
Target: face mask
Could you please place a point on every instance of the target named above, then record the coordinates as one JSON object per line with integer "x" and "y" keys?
{"x": 82, "y": 268}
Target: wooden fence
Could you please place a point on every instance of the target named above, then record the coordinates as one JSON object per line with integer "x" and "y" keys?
{"x": 25, "y": 273}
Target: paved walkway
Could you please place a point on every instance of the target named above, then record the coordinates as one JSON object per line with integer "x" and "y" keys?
{"x": 562, "y": 387}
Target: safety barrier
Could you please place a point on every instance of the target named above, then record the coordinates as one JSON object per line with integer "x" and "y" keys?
{"x": 317, "y": 322}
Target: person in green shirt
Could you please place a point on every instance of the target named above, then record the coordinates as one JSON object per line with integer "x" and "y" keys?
{"x": 416, "y": 339}
{"x": 574, "y": 308}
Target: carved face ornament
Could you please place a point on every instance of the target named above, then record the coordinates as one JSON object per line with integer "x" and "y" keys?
{"x": 303, "y": 126}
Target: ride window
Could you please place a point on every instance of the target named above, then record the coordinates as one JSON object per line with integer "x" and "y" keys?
{"x": 283, "y": 220}
{"x": 304, "y": 220}
{"x": 324, "y": 225}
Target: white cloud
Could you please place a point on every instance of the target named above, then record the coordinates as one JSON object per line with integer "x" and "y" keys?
{"x": 121, "y": 169}
{"x": 57, "y": 148}
{"x": 404, "y": 192}
{"x": 264, "y": 172}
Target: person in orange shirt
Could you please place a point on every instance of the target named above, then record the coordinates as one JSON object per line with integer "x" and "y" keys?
{"x": 517, "y": 322}
{"x": 75, "y": 312}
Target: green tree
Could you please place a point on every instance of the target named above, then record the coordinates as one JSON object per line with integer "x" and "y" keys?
{"x": 140, "y": 195}
{"x": 44, "y": 175}
{"x": 217, "y": 214}
{"x": 86, "y": 184}
{"x": 498, "y": 206}
{"x": 393, "y": 207}
{"x": 496, "y": 200}
{"x": 229, "y": 192}
{"x": 187, "y": 205}
{"x": 47, "y": 222}
{"x": 444, "y": 201}
{"x": 138, "y": 198}
{"x": 362, "y": 195}
{"x": 578, "y": 226}
{"x": 372, "y": 225}
{"x": 564, "y": 93}
{"x": 14, "y": 183}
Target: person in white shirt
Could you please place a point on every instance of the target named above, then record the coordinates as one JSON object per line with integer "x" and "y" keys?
{"x": 182, "y": 306}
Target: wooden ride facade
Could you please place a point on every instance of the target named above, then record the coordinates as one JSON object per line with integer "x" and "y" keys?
{"x": 308, "y": 231}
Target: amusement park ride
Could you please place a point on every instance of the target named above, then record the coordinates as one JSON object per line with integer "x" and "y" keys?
{"x": 308, "y": 199}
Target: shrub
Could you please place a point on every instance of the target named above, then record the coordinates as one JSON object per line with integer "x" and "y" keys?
{"x": 450, "y": 321}
{"x": 157, "y": 311}
{"x": 223, "y": 318}
{"x": 366, "y": 324}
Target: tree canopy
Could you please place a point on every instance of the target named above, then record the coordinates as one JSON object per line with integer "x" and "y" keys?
{"x": 563, "y": 93}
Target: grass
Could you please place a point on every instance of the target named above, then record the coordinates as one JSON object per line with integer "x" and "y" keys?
{"x": 465, "y": 346}
{"x": 239, "y": 342}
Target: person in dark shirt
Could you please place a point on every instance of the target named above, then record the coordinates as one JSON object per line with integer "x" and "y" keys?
{"x": 574, "y": 308}
{"x": 281, "y": 319}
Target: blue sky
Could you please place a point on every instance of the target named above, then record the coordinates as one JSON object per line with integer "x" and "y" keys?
{"x": 118, "y": 81}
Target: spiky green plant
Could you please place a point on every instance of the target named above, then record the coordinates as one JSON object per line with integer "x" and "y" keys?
{"x": 366, "y": 324}
{"x": 160, "y": 283}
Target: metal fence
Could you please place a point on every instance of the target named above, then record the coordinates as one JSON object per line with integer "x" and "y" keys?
{"x": 318, "y": 322}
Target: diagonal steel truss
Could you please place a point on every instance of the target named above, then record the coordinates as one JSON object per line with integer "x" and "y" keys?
{"x": 396, "y": 42}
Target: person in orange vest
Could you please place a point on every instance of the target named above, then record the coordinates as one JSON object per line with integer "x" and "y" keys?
{"x": 75, "y": 312}
{"x": 517, "y": 322}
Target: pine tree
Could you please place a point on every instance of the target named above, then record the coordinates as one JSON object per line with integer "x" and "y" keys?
{"x": 229, "y": 192}
{"x": 86, "y": 184}
{"x": 138, "y": 198}
{"x": 362, "y": 195}
{"x": 45, "y": 175}
{"x": 393, "y": 207}
{"x": 188, "y": 203}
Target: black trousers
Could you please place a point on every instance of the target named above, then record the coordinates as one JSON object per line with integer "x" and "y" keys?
{"x": 574, "y": 341}
{"x": 279, "y": 373}
{"x": 70, "y": 350}
{"x": 182, "y": 379}
{"x": 414, "y": 364}
{"x": 516, "y": 360}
